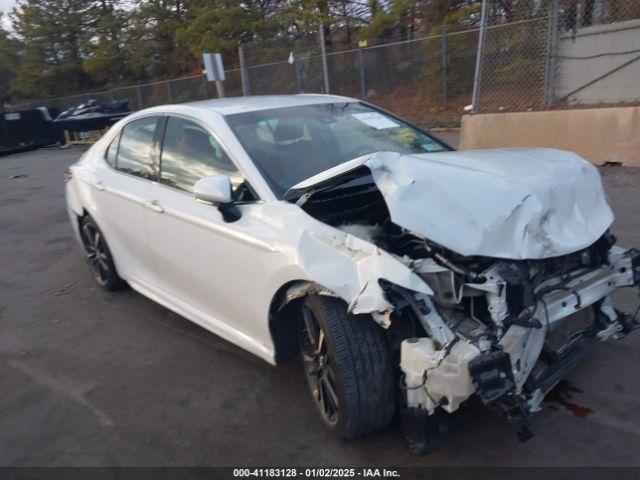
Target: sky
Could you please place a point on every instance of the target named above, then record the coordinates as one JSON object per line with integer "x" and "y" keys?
{"x": 6, "y": 6}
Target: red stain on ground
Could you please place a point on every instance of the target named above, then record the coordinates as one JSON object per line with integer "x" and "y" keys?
{"x": 577, "y": 410}
{"x": 562, "y": 394}
{"x": 571, "y": 388}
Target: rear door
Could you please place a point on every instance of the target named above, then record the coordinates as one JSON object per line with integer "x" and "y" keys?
{"x": 119, "y": 194}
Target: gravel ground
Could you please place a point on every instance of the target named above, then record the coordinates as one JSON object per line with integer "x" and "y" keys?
{"x": 95, "y": 378}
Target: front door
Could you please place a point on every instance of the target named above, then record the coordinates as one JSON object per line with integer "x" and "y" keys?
{"x": 203, "y": 263}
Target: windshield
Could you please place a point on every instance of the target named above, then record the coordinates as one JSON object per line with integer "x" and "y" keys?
{"x": 291, "y": 144}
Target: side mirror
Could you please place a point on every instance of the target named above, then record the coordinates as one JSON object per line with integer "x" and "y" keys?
{"x": 215, "y": 189}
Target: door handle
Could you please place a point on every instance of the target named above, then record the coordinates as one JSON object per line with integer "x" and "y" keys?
{"x": 154, "y": 205}
{"x": 98, "y": 185}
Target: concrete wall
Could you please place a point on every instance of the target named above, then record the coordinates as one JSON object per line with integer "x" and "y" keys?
{"x": 600, "y": 135}
{"x": 595, "y": 51}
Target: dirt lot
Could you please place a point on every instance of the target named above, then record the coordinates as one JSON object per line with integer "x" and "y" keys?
{"x": 92, "y": 378}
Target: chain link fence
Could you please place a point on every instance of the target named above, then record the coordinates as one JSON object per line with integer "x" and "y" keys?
{"x": 533, "y": 54}
{"x": 428, "y": 80}
{"x": 291, "y": 65}
{"x": 558, "y": 54}
{"x": 144, "y": 95}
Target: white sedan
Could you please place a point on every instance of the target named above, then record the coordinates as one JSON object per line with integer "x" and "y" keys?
{"x": 408, "y": 276}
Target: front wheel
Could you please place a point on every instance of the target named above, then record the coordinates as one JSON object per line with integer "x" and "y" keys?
{"x": 99, "y": 256}
{"x": 348, "y": 366}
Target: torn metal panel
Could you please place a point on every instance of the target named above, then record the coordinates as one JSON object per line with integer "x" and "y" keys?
{"x": 511, "y": 203}
{"x": 352, "y": 267}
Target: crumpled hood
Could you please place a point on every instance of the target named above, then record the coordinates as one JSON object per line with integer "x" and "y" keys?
{"x": 522, "y": 203}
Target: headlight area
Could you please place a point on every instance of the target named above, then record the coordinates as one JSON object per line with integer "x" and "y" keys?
{"x": 471, "y": 337}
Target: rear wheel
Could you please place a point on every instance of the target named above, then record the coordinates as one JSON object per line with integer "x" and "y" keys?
{"x": 99, "y": 256}
{"x": 348, "y": 366}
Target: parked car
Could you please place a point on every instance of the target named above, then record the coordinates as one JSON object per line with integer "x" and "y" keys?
{"x": 407, "y": 275}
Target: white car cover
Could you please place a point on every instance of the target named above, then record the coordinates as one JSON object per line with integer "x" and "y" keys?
{"x": 510, "y": 203}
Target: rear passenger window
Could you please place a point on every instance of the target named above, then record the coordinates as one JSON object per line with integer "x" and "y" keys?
{"x": 112, "y": 151}
{"x": 135, "y": 150}
{"x": 190, "y": 153}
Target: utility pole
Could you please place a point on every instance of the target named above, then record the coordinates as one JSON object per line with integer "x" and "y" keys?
{"x": 477, "y": 77}
{"x": 325, "y": 65}
{"x": 244, "y": 72}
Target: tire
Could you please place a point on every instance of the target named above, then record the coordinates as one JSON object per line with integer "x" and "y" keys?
{"x": 348, "y": 366}
{"x": 99, "y": 256}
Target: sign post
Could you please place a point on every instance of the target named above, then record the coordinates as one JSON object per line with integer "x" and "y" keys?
{"x": 214, "y": 70}
{"x": 363, "y": 87}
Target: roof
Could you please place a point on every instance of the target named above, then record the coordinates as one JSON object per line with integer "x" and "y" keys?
{"x": 231, "y": 105}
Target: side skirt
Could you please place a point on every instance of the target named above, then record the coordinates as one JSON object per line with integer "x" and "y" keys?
{"x": 208, "y": 322}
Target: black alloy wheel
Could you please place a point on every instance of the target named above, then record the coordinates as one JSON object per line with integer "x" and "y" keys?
{"x": 318, "y": 366}
{"x": 98, "y": 256}
{"x": 348, "y": 365}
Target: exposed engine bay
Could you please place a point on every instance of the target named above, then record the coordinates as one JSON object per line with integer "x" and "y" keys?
{"x": 506, "y": 328}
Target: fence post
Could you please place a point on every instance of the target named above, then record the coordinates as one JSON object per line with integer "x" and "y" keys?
{"x": 139, "y": 95}
{"x": 298, "y": 75}
{"x": 552, "y": 48}
{"x": 363, "y": 84}
{"x": 169, "y": 97}
{"x": 204, "y": 86}
{"x": 244, "y": 73}
{"x": 443, "y": 52}
{"x": 325, "y": 65}
{"x": 481, "y": 38}
{"x": 220, "y": 88}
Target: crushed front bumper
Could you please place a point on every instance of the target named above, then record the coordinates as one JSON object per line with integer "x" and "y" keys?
{"x": 515, "y": 373}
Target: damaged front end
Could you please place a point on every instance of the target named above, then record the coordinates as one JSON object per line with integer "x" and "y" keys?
{"x": 501, "y": 318}
{"x": 511, "y": 334}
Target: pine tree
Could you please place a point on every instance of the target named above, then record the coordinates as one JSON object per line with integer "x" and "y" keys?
{"x": 8, "y": 62}
{"x": 55, "y": 36}
{"x": 108, "y": 61}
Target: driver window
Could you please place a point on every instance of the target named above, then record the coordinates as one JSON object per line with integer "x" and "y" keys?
{"x": 190, "y": 153}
